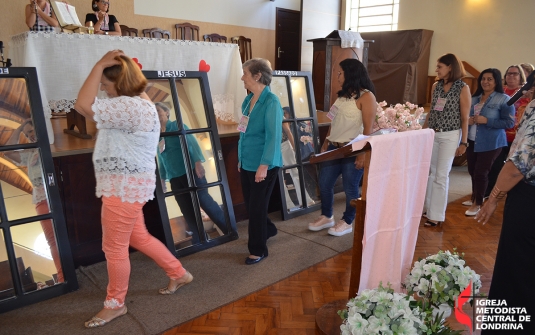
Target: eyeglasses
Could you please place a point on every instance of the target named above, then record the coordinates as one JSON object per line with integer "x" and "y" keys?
{"x": 512, "y": 74}
{"x": 104, "y": 2}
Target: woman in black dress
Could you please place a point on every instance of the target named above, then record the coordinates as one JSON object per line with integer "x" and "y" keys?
{"x": 104, "y": 23}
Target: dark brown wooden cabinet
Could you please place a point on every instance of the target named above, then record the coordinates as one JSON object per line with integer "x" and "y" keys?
{"x": 328, "y": 53}
{"x": 81, "y": 207}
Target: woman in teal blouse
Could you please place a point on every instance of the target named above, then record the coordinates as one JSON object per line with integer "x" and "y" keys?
{"x": 259, "y": 153}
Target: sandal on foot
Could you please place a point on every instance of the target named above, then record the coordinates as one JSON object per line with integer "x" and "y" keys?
{"x": 430, "y": 223}
{"x": 96, "y": 322}
{"x": 188, "y": 277}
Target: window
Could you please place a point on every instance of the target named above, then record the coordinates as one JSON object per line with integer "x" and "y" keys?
{"x": 373, "y": 15}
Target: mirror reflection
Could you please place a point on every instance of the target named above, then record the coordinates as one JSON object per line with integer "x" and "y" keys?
{"x": 184, "y": 218}
{"x": 305, "y": 136}
{"x": 300, "y": 97}
{"x": 35, "y": 245}
{"x": 213, "y": 212}
{"x": 15, "y": 111}
{"x": 191, "y": 103}
{"x": 292, "y": 191}
{"x": 6, "y": 283}
{"x": 189, "y": 98}
{"x": 310, "y": 174}
{"x": 22, "y": 184}
{"x": 278, "y": 86}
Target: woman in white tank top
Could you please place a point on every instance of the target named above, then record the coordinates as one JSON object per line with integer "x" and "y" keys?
{"x": 352, "y": 114}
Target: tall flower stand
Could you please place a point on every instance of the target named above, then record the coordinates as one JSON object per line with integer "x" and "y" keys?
{"x": 327, "y": 320}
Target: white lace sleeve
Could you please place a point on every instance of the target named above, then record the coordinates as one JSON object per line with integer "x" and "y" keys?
{"x": 126, "y": 113}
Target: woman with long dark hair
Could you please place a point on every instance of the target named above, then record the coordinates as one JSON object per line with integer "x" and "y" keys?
{"x": 448, "y": 117}
{"x": 489, "y": 117}
{"x": 352, "y": 114}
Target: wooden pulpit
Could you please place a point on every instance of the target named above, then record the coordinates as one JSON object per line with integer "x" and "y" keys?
{"x": 327, "y": 320}
{"x": 395, "y": 176}
{"x": 327, "y": 53}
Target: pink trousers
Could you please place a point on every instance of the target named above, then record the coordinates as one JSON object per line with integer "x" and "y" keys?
{"x": 123, "y": 224}
{"x": 48, "y": 229}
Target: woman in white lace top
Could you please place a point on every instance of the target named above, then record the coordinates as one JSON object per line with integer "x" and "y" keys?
{"x": 125, "y": 170}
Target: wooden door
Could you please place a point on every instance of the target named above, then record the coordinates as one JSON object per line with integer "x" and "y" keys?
{"x": 288, "y": 40}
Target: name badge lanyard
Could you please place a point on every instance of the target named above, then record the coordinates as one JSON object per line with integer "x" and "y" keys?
{"x": 441, "y": 102}
{"x": 244, "y": 121}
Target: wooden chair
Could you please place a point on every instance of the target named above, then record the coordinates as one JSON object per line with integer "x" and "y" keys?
{"x": 215, "y": 38}
{"x": 244, "y": 44}
{"x": 187, "y": 31}
{"x": 127, "y": 31}
{"x": 156, "y": 33}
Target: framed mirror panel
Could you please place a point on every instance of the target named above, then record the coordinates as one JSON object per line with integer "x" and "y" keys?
{"x": 35, "y": 256}
{"x": 298, "y": 179}
{"x": 194, "y": 188}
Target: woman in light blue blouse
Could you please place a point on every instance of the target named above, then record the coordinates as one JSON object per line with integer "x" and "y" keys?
{"x": 512, "y": 279}
{"x": 489, "y": 117}
{"x": 259, "y": 153}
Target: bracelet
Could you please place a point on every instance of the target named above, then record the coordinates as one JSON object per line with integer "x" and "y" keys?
{"x": 496, "y": 193}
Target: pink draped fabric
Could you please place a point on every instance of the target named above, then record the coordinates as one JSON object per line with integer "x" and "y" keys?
{"x": 398, "y": 172}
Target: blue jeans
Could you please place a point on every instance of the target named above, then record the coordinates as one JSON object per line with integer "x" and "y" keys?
{"x": 207, "y": 203}
{"x": 329, "y": 172}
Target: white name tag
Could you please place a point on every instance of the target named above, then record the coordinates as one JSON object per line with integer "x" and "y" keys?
{"x": 439, "y": 105}
{"x": 477, "y": 109}
{"x": 332, "y": 112}
{"x": 244, "y": 121}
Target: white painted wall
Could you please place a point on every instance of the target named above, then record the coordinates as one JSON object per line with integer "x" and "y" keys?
{"x": 484, "y": 33}
{"x": 247, "y": 13}
{"x": 319, "y": 19}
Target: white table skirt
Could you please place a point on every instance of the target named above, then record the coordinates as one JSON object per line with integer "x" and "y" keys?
{"x": 63, "y": 62}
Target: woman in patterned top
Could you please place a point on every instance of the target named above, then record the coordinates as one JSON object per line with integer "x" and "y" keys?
{"x": 125, "y": 170}
{"x": 513, "y": 275}
{"x": 448, "y": 117}
{"x": 39, "y": 16}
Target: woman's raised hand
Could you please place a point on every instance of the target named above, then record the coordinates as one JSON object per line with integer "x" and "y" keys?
{"x": 109, "y": 58}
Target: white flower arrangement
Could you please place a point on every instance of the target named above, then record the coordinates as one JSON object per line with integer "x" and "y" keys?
{"x": 440, "y": 278}
{"x": 382, "y": 311}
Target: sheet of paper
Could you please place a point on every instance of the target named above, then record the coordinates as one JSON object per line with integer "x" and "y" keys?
{"x": 358, "y": 138}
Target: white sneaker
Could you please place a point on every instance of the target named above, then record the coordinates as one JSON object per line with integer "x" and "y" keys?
{"x": 473, "y": 212}
{"x": 467, "y": 203}
{"x": 321, "y": 223}
{"x": 340, "y": 229}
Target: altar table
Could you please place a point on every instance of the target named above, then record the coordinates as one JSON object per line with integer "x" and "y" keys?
{"x": 63, "y": 62}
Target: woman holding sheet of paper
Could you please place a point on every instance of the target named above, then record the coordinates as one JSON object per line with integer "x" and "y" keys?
{"x": 104, "y": 23}
{"x": 352, "y": 114}
{"x": 39, "y": 16}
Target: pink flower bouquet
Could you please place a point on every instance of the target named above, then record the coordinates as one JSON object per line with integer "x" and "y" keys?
{"x": 400, "y": 117}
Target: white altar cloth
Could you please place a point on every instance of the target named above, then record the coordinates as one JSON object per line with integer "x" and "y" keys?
{"x": 397, "y": 179}
{"x": 63, "y": 62}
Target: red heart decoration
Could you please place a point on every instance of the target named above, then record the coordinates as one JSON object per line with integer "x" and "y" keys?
{"x": 203, "y": 66}
{"x": 138, "y": 63}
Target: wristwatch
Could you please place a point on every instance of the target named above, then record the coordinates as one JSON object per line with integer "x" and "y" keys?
{"x": 464, "y": 143}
